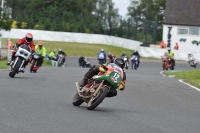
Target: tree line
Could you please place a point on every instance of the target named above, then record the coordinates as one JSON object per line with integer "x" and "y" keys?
{"x": 142, "y": 23}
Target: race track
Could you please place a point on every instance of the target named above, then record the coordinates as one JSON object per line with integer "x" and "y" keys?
{"x": 151, "y": 103}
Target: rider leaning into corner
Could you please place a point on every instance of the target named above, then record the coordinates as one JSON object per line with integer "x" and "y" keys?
{"x": 171, "y": 55}
{"x": 119, "y": 62}
{"x": 27, "y": 40}
{"x": 40, "y": 49}
{"x": 60, "y": 51}
{"x": 191, "y": 55}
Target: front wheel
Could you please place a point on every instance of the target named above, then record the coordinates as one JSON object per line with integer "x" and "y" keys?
{"x": 77, "y": 100}
{"x": 164, "y": 66}
{"x": 32, "y": 66}
{"x": 93, "y": 103}
{"x": 15, "y": 69}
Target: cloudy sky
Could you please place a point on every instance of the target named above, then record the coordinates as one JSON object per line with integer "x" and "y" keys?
{"x": 122, "y": 6}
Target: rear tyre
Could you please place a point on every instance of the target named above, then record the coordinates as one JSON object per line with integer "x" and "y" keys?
{"x": 77, "y": 100}
{"x": 16, "y": 68}
{"x": 93, "y": 104}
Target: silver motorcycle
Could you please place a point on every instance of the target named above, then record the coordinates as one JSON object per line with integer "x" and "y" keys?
{"x": 21, "y": 56}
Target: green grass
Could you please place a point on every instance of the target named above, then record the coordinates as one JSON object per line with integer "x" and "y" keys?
{"x": 77, "y": 49}
{"x": 191, "y": 76}
{"x": 3, "y": 64}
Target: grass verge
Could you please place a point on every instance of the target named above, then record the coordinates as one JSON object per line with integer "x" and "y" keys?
{"x": 4, "y": 66}
{"x": 190, "y": 76}
{"x": 77, "y": 49}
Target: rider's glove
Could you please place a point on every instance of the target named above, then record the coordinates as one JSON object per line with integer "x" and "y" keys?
{"x": 121, "y": 86}
{"x": 101, "y": 69}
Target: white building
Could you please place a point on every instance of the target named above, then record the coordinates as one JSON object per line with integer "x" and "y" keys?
{"x": 183, "y": 16}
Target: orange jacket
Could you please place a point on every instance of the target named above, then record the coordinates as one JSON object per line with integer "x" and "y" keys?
{"x": 176, "y": 47}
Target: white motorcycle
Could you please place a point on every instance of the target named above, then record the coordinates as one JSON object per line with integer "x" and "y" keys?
{"x": 125, "y": 58}
{"x": 21, "y": 56}
{"x": 192, "y": 62}
{"x": 61, "y": 60}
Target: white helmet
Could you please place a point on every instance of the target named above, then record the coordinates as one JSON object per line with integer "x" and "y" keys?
{"x": 102, "y": 49}
{"x": 60, "y": 49}
{"x": 189, "y": 52}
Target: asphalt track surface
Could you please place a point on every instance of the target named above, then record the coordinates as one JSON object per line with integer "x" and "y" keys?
{"x": 42, "y": 103}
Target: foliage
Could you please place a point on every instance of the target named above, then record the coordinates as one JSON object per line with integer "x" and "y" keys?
{"x": 5, "y": 22}
{"x": 89, "y": 16}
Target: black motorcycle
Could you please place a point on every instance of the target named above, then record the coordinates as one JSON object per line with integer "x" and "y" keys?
{"x": 61, "y": 60}
{"x": 172, "y": 64}
{"x": 35, "y": 62}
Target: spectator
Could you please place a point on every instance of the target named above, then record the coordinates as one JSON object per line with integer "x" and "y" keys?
{"x": 163, "y": 45}
{"x": 176, "y": 47}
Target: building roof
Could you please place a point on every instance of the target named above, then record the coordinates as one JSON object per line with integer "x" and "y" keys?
{"x": 182, "y": 12}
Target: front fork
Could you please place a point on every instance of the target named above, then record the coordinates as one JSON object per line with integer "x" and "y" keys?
{"x": 15, "y": 62}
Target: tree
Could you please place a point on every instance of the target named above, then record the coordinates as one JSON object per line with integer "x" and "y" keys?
{"x": 5, "y": 22}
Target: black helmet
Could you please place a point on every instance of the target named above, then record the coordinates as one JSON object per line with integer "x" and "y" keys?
{"x": 120, "y": 62}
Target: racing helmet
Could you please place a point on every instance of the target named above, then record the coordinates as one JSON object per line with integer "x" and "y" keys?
{"x": 102, "y": 49}
{"x": 40, "y": 43}
{"x": 60, "y": 49}
{"x": 120, "y": 62}
{"x": 29, "y": 37}
{"x": 189, "y": 53}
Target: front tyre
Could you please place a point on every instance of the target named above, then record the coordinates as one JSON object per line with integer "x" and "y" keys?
{"x": 92, "y": 104}
{"x": 77, "y": 100}
{"x": 16, "y": 68}
{"x": 32, "y": 66}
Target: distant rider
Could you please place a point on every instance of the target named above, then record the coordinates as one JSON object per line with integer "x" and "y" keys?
{"x": 171, "y": 55}
{"x": 191, "y": 55}
{"x": 40, "y": 49}
{"x": 81, "y": 61}
{"x": 110, "y": 56}
{"x": 119, "y": 64}
{"x": 62, "y": 53}
{"x": 136, "y": 53}
{"x": 27, "y": 40}
{"x": 52, "y": 55}
{"x": 102, "y": 56}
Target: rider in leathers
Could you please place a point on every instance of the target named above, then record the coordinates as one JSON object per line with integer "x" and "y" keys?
{"x": 96, "y": 69}
{"x": 27, "y": 40}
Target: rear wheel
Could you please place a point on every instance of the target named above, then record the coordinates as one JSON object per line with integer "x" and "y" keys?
{"x": 16, "y": 68}
{"x": 93, "y": 103}
{"x": 77, "y": 100}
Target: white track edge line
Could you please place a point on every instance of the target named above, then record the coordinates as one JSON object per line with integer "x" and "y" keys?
{"x": 180, "y": 80}
{"x": 162, "y": 74}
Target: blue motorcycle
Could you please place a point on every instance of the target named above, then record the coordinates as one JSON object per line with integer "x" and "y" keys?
{"x": 134, "y": 62}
